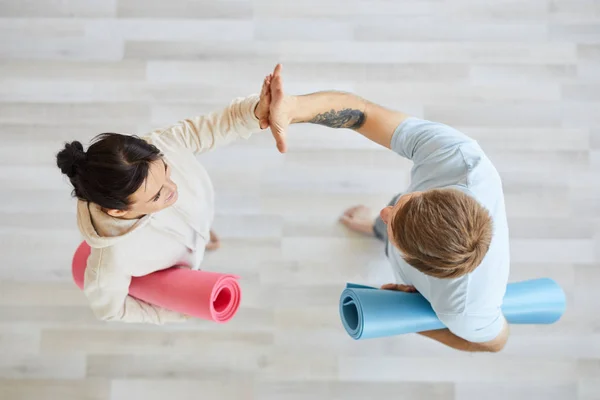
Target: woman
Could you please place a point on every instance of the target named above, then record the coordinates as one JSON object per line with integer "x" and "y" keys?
{"x": 146, "y": 204}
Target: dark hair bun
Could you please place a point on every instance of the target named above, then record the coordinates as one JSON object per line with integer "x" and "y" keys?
{"x": 71, "y": 158}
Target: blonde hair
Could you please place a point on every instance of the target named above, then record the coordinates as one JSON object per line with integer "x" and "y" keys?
{"x": 443, "y": 233}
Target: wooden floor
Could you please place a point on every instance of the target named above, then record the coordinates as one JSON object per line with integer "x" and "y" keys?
{"x": 522, "y": 77}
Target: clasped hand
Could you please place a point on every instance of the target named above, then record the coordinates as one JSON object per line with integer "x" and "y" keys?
{"x": 274, "y": 109}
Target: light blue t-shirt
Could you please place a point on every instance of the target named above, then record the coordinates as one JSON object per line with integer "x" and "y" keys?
{"x": 445, "y": 158}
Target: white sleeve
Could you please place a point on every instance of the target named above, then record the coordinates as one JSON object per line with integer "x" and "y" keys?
{"x": 475, "y": 328}
{"x": 426, "y": 141}
{"x": 203, "y": 133}
{"x": 107, "y": 289}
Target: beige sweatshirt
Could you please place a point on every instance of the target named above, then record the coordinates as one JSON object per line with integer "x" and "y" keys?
{"x": 122, "y": 249}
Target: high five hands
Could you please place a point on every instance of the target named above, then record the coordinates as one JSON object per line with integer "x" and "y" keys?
{"x": 274, "y": 109}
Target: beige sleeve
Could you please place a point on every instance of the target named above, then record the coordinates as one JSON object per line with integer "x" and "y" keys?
{"x": 107, "y": 288}
{"x": 204, "y": 133}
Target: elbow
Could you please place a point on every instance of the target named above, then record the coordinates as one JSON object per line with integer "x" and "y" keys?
{"x": 498, "y": 345}
{"x": 489, "y": 347}
{"x": 496, "y": 348}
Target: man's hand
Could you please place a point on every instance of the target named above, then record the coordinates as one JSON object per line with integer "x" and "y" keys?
{"x": 264, "y": 104}
{"x": 448, "y": 338}
{"x": 400, "y": 287}
{"x": 282, "y": 107}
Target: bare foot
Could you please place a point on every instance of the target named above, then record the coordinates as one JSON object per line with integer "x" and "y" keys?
{"x": 359, "y": 219}
{"x": 214, "y": 243}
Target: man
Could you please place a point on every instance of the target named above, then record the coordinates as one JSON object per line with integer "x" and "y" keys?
{"x": 447, "y": 235}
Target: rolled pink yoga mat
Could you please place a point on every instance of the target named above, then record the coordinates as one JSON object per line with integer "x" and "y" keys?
{"x": 201, "y": 294}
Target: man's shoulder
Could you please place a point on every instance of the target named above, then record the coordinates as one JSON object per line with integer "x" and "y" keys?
{"x": 449, "y": 296}
{"x": 479, "y": 292}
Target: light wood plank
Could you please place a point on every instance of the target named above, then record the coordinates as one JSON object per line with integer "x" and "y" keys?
{"x": 43, "y": 367}
{"x": 61, "y": 71}
{"x": 513, "y": 74}
{"x": 68, "y": 389}
{"x": 146, "y": 341}
{"x": 51, "y": 48}
{"x": 58, "y": 8}
{"x": 349, "y": 51}
{"x": 19, "y": 340}
{"x": 156, "y": 389}
{"x": 306, "y": 71}
{"x": 211, "y": 365}
{"x": 427, "y": 28}
{"x": 524, "y": 391}
{"x": 163, "y": 28}
{"x": 204, "y": 9}
{"x": 79, "y": 114}
{"x": 473, "y": 369}
{"x": 333, "y": 390}
{"x": 24, "y": 294}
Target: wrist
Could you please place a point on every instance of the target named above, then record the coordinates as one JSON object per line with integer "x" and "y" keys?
{"x": 296, "y": 110}
{"x": 255, "y": 110}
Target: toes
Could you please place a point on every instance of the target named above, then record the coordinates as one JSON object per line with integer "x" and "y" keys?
{"x": 352, "y": 224}
{"x": 349, "y": 212}
{"x": 346, "y": 220}
{"x": 352, "y": 211}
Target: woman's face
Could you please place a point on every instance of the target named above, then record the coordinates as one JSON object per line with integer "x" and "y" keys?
{"x": 156, "y": 193}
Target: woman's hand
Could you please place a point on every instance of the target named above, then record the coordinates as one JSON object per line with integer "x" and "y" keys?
{"x": 400, "y": 287}
{"x": 264, "y": 104}
{"x": 274, "y": 109}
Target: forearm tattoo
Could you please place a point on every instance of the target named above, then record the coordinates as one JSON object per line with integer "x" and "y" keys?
{"x": 347, "y": 118}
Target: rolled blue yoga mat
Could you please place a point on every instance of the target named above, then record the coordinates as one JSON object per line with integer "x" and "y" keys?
{"x": 368, "y": 312}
